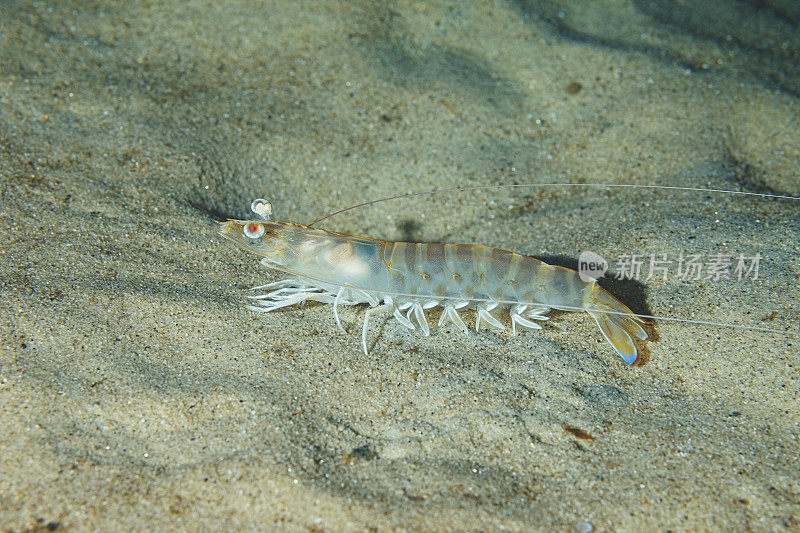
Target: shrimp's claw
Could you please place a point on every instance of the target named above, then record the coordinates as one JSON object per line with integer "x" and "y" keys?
{"x": 617, "y": 323}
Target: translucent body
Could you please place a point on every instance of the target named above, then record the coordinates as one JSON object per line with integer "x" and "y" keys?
{"x": 346, "y": 269}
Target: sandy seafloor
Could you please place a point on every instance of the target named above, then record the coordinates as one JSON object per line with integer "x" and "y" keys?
{"x": 137, "y": 392}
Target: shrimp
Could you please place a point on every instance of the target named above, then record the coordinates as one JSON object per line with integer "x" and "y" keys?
{"x": 406, "y": 279}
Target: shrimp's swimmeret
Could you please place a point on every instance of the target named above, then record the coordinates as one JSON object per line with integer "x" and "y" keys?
{"x": 405, "y": 279}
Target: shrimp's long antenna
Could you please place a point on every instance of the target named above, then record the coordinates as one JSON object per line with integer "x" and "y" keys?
{"x": 591, "y": 185}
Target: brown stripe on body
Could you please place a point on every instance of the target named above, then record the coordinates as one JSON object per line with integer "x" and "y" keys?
{"x": 475, "y": 271}
{"x": 495, "y": 266}
{"x": 434, "y": 259}
{"x": 513, "y": 269}
{"x": 533, "y": 280}
{"x": 459, "y": 273}
{"x": 465, "y": 259}
{"x": 526, "y": 272}
{"x": 464, "y": 253}
{"x": 511, "y": 284}
{"x": 544, "y": 279}
{"x": 408, "y": 264}
{"x": 574, "y": 286}
{"x": 559, "y": 286}
{"x": 405, "y": 257}
{"x": 455, "y": 282}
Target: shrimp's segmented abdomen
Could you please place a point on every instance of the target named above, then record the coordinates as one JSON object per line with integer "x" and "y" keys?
{"x": 481, "y": 273}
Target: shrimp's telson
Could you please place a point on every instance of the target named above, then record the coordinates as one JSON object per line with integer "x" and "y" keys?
{"x": 405, "y": 279}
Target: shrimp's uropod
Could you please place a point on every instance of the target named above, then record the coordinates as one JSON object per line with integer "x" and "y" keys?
{"x": 405, "y": 279}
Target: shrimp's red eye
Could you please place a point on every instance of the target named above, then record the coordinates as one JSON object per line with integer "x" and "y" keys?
{"x": 253, "y": 230}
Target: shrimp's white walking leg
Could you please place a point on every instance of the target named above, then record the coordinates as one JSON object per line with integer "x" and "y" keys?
{"x": 397, "y": 314}
{"x": 452, "y": 314}
{"x": 535, "y": 314}
{"x": 379, "y": 309}
{"x": 483, "y": 313}
{"x": 335, "y": 311}
{"x": 403, "y": 320}
{"x": 276, "y": 300}
{"x": 419, "y": 314}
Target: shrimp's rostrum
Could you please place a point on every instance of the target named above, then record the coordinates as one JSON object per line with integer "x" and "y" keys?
{"x": 405, "y": 279}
